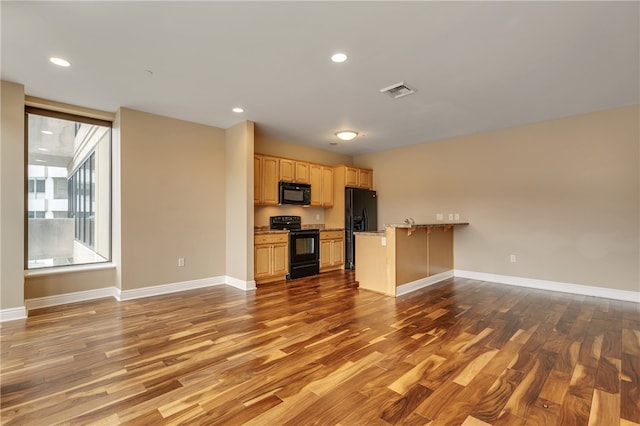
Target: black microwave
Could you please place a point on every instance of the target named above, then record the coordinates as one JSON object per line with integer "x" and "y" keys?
{"x": 294, "y": 193}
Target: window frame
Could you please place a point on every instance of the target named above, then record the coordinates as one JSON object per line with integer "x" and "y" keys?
{"x": 77, "y": 118}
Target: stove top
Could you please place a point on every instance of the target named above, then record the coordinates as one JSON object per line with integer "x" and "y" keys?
{"x": 292, "y": 223}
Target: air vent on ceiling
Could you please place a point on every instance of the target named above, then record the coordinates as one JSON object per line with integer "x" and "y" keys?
{"x": 398, "y": 90}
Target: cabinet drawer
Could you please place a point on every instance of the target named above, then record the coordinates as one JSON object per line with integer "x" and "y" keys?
{"x": 270, "y": 238}
{"x": 331, "y": 235}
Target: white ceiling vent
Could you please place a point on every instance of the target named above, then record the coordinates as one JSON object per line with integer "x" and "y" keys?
{"x": 398, "y": 90}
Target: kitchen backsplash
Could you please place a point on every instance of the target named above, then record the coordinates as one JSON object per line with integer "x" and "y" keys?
{"x": 309, "y": 215}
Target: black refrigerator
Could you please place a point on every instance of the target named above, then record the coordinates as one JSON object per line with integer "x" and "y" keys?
{"x": 361, "y": 214}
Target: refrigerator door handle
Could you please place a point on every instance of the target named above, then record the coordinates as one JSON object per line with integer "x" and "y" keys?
{"x": 365, "y": 220}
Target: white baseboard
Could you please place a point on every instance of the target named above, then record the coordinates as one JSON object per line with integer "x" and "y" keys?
{"x": 11, "y": 314}
{"x": 423, "y": 282}
{"x": 584, "y": 290}
{"x": 63, "y": 299}
{"x": 82, "y": 296}
{"x": 242, "y": 285}
{"x": 157, "y": 290}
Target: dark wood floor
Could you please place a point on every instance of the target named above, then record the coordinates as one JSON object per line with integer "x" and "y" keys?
{"x": 320, "y": 351}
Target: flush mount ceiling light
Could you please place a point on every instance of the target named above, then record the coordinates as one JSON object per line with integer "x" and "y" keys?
{"x": 238, "y": 110}
{"x": 338, "y": 57}
{"x": 346, "y": 135}
{"x": 60, "y": 62}
{"x": 46, "y": 132}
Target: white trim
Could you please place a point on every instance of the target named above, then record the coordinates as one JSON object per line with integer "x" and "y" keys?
{"x": 54, "y": 270}
{"x": 157, "y": 290}
{"x": 422, "y": 282}
{"x": 584, "y": 290}
{"x": 242, "y": 285}
{"x": 63, "y": 299}
{"x": 11, "y": 314}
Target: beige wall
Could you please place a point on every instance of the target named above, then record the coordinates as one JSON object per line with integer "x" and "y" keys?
{"x": 239, "y": 201}
{"x": 11, "y": 195}
{"x": 279, "y": 148}
{"x": 308, "y": 215}
{"x": 68, "y": 282}
{"x": 172, "y": 200}
{"x": 562, "y": 195}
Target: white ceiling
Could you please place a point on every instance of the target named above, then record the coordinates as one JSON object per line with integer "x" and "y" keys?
{"x": 477, "y": 66}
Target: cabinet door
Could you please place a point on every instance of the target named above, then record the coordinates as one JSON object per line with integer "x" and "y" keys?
{"x": 325, "y": 253}
{"x": 257, "y": 179}
{"x": 351, "y": 177}
{"x": 279, "y": 259}
{"x": 302, "y": 172}
{"x": 327, "y": 187}
{"x": 316, "y": 179}
{"x": 364, "y": 179}
{"x": 269, "y": 180}
{"x": 337, "y": 252}
{"x": 262, "y": 261}
{"x": 287, "y": 170}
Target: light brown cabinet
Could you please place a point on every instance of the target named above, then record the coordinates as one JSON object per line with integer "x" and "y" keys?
{"x": 294, "y": 171}
{"x": 358, "y": 178}
{"x": 270, "y": 257}
{"x": 331, "y": 250}
{"x": 327, "y": 186}
{"x": 265, "y": 179}
{"x": 321, "y": 179}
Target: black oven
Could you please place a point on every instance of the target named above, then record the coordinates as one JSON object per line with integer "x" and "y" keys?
{"x": 304, "y": 253}
{"x": 304, "y": 246}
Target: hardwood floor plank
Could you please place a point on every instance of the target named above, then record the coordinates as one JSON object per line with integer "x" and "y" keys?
{"x": 605, "y": 408}
{"x": 630, "y": 388}
{"x": 320, "y": 351}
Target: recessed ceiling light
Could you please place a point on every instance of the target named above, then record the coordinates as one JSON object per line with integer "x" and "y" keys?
{"x": 238, "y": 110}
{"x": 346, "y": 135}
{"x": 46, "y": 132}
{"x": 339, "y": 57}
{"x": 60, "y": 62}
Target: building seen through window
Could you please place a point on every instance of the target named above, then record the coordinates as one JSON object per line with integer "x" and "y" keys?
{"x": 68, "y": 190}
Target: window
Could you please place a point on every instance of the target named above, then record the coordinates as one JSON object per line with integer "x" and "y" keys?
{"x": 36, "y": 188}
{"x": 68, "y": 193}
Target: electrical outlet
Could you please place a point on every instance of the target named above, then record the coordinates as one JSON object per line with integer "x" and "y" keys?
{"x": 317, "y": 216}
{"x": 439, "y": 216}
{"x": 512, "y": 258}
{"x": 181, "y": 261}
{"x": 456, "y": 216}
{"x": 450, "y": 216}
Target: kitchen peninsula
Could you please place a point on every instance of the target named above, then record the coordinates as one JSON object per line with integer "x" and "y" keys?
{"x": 404, "y": 257}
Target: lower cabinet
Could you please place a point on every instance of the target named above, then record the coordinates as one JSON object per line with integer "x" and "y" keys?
{"x": 331, "y": 250}
{"x": 270, "y": 257}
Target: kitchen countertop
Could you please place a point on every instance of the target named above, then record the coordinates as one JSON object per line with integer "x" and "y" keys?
{"x": 259, "y": 231}
{"x": 423, "y": 225}
{"x": 265, "y": 229}
{"x": 409, "y": 227}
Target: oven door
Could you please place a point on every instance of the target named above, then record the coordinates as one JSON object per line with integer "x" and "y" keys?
{"x": 304, "y": 253}
{"x": 304, "y": 246}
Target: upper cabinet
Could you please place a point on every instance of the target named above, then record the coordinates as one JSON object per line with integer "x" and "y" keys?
{"x": 327, "y": 182}
{"x": 265, "y": 179}
{"x": 357, "y": 177}
{"x": 321, "y": 178}
{"x": 294, "y": 171}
